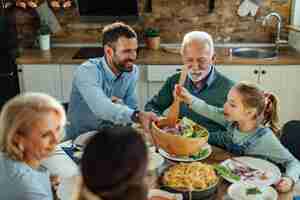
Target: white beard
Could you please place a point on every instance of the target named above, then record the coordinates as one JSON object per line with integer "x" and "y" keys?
{"x": 199, "y": 75}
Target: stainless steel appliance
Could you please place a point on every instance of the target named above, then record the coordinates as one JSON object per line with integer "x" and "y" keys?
{"x": 9, "y": 83}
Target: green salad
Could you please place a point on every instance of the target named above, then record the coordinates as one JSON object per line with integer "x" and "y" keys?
{"x": 192, "y": 129}
{"x": 200, "y": 154}
{"x": 252, "y": 191}
{"x": 226, "y": 172}
{"x": 187, "y": 128}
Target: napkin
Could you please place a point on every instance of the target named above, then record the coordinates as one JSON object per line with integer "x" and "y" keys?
{"x": 248, "y": 7}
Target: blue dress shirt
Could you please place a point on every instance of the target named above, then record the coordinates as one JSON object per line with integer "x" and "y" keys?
{"x": 19, "y": 181}
{"x": 90, "y": 104}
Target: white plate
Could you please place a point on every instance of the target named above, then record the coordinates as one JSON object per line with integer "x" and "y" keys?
{"x": 185, "y": 158}
{"x": 162, "y": 193}
{"x": 155, "y": 159}
{"x": 272, "y": 171}
{"x": 82, "y": 139}
{"x": 237, "y": 191}
{"x": 67, "y": 188}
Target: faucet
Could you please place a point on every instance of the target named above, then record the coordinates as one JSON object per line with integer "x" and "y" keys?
{"x": 279, "y": 21}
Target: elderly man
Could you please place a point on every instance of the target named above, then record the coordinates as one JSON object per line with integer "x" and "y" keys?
{"x": 203, "y": 81}
{"x": 103, "y": 89}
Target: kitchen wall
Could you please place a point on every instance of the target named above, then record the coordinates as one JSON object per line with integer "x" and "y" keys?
{"x": 174, "y": 18}
{"x": 222, "y": 23}
{"x": 294, "y": 37}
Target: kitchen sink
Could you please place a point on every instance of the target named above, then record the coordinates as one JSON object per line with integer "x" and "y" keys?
{"x": 254, "y": 53}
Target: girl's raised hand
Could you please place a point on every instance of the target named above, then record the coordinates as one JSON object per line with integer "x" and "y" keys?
{"x": 284, "y": 185}
{"x": 182, "y": 94}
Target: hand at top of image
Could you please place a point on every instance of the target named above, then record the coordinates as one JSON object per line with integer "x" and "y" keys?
{"x": 182, "y": 94}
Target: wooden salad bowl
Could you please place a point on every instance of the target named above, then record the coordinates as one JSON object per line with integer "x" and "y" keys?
{"x": 176, "y": 145}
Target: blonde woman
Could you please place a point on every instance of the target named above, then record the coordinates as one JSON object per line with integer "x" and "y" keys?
{"x": 30, "y": 128}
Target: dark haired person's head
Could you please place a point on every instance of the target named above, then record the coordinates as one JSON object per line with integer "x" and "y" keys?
{"x": 120, "y": 46}
{"x": 114, "y": 164}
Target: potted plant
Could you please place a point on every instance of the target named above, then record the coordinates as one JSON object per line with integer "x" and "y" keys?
{"x": 44, "y": 36}
{"x": 152, "y": 38}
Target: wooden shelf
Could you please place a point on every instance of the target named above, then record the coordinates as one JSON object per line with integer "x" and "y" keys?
{"x": 293, "y": 28}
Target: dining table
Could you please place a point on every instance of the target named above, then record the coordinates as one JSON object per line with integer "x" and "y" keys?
{"x": 217, "y": 156}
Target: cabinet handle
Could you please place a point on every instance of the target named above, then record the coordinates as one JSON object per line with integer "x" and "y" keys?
{"x": 178, "y": 70}
{"x": 263, "y": 71}
{"x": 20, "y": 70}
{"x": 256, "y": 71}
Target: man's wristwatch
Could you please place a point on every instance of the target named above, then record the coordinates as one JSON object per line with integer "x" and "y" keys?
{"x": 135, "y": 116}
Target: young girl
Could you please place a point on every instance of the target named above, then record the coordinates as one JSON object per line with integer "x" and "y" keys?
{"x": 250, "y": 118}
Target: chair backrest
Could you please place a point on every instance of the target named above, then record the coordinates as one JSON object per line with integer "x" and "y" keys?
{"x": 66, "y": 105}
{"x": 290, "y": 137}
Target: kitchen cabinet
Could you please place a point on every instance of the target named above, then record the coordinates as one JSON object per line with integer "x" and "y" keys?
{"x": 240, "y": 72}
{"x": 283, "y": 81}
{"x": 41, "y": 78}
{"x": 67, "y": 74}
{"x": 157, "y": 75}
{"x": 295, "y": 15}
{"x": 56, "y": 80}
{"x": 279, "y": 79}
{"x": 142, "y": 86}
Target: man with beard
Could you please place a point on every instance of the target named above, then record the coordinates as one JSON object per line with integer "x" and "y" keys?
{"x": 103, "y": 89}
{"x": 203, "y": 81}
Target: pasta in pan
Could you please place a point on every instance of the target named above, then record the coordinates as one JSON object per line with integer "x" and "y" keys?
{"x": 190, "y": 176}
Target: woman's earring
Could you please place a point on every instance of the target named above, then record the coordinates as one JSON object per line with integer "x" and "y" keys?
{"x": 21, "y": 147}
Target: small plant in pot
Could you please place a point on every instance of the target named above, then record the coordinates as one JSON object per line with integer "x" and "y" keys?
{"x": 44, "y": 36}
{"x": 152, "y": 38}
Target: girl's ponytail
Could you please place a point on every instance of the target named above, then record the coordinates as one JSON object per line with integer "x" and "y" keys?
{"x": 266, "y": 104}
{"x": 270, "y": 113}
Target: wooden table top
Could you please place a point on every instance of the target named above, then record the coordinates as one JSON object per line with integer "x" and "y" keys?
{"x": 218, "y": 155}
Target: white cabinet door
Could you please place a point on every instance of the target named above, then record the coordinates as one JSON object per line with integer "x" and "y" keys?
{"x": 157, "y": 75}
{"x": 42, "y": 78}
{"x": 142, "y": 86}
{"x": 283, "y": 81}
{"x": 21, "y": 78}
{"x": 240, "y": 72}
{"x": 67, "y": 74}
{"x": 160, "y": 73}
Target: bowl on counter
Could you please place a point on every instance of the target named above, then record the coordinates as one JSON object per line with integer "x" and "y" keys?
{"x": 174, "y": 144}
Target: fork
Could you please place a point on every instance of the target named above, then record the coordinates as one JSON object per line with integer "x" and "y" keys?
{"x": 250, "y": 168}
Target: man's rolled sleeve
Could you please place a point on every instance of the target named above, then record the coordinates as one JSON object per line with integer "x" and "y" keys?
{"x": 90, "y": 88}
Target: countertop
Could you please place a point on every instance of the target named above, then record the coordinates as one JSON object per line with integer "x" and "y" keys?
{"x": 164, "y": 56}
